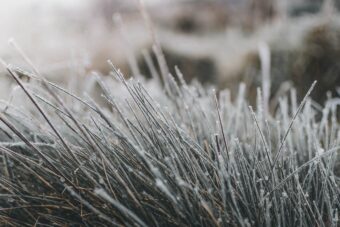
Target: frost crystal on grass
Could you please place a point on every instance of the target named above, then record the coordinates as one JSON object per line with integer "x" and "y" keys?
{"x": 205, "y": 160}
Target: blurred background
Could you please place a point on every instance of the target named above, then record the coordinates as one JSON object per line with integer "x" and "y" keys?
{"x": 220, "y": 42}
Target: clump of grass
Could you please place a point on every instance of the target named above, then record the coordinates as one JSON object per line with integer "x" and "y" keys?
{"x": 188, "y": 157}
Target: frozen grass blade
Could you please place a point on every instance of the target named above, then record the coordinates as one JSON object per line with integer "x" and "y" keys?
{"x": 292, "y": 122}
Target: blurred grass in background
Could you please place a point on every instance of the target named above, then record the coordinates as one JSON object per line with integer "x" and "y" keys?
{"x": 214, "y": 41}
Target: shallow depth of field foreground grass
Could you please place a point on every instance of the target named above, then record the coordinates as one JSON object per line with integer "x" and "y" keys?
{"x": 185, "y": 157}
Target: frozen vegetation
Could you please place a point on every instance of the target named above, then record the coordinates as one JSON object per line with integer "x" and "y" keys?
{"x": 184, "y": 156}
{"x": 81, "y": 149}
